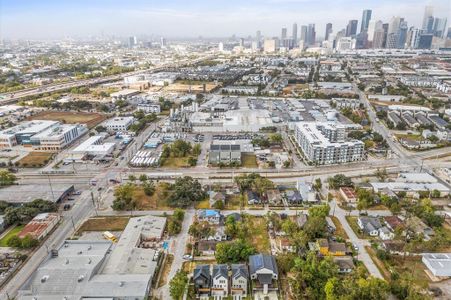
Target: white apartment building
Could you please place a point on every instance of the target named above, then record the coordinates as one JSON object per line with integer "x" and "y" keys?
{"x": 118, "y": 123}
{"x": 325, "y": 143}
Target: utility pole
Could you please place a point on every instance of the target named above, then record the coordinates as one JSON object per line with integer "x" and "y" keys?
{"x": 51, "y": 188}
{"x": 94, "y": 204}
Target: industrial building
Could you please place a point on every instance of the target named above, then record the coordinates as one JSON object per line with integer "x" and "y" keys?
{"x": 118, "y": 124}
{"x": 93, "y": 147}
{"x": 325, "y": 143}
{"x": 42, "y": 135}
{"x": 94, "y": 269}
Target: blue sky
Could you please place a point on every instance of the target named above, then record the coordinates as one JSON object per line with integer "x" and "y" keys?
{"x": 184, "y": 18}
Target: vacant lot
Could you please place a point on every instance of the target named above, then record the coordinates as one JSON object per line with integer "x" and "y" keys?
{"x": 13, "y": 232}
{"x": 34, "y": 159}
{"x": 104, "y": 224}
{"x": 249, "y": 161}
{"x": 90, "y": 119}
{"x": 340, "y": 230}
{"x": 175, "y": 162}
{"x": 156, "y": 201}
{"x": 258, "y": 234}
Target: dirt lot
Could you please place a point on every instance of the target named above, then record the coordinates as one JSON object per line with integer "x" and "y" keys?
{"x": 104, "y": 224}
{"x": 34, "y": 159}
{"x": 156, "y": 201}
{"x": 195, "y": 88}
{"x": 91, "y": 119}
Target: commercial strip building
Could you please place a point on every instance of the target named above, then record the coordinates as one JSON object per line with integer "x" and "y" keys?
{"x": 40, "y": 226}
{"x": 25, "y": 193}
{"x": 42, "y": 135}
{"x": 94, "y": 269}
{"x": 93, "y": 147}
{"x": 325, "y": 143}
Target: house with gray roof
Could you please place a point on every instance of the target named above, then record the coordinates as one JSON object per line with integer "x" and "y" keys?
{"x": 202, "y": 280}
{"x": 239, "y": 281}
{"x": 369, "y": 225}
{"x": 220, "y": 281}
{"x": 264, "y": 273}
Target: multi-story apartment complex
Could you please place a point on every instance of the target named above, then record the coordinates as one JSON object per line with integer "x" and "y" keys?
{"x": 326, "y": 143}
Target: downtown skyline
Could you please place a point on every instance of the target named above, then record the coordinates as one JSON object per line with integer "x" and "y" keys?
{"x": 176, "y": 19}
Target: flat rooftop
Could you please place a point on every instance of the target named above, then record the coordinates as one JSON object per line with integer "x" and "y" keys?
{"x": 24, "y": 193}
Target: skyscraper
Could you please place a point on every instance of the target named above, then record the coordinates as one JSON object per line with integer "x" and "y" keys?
{"x": 439, "y": 27}
{"x": 284, "y": 34}
{"x": 351, "y": 29}
{"x": 328, "y": 31}
{"x": 295, "y": 34}
{"x": 132, "y": 41}
{"x": 303, "y": 37}
{"x": 393, "y": 32}
{"x": 311, "y": 34}
{"x": 413, "y": 38}
{"x": 258, "y": 36}
{"x": 379, "y": 35}
{"x": 402, "y": 36}
{"x": 428, "y": 12}
{"x": 366, "y": 17}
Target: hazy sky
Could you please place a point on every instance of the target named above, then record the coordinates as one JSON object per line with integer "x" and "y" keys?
{"x": 35, "y": 19}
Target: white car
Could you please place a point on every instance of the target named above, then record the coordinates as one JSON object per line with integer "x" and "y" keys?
{"x": 187, "y": 257}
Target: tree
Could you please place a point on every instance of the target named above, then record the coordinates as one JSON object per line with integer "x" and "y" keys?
{"x": 177, "y": 285}
{"x": 339, "y": 180}
{"x": 179, "y": 214}
{"x": 200, "y": 229}
{"x": 197, "y": 149}
{"x": 7, "y": 178}
{"x": 435, "y": 194}
{"x": 321, "y": 211}
{"x": 318, "y": 184}
{"x": 14, "y": 242}
{"x": 233, "y": 252}
{"x": 315, "y": 227}
{"x": 132, "y": 178}
{"x": 29, "y": 242}
{"x": 275, "y": 138}
{"x": 148, "y": 188}
{"x": 381, "y": 174}
{"x": 124, "y": 197}
{"x": 185, "y": 191}
{"x": 365, "y": 199}
{"x": 143, "y": 178}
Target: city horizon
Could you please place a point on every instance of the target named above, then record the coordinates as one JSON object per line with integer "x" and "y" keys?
{"x": 26, "y": 20}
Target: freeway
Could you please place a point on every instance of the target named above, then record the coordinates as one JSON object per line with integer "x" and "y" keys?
{"x": 15, "y": 96}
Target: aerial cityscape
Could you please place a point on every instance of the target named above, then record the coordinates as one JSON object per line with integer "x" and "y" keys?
{"x": 274, "y": 149}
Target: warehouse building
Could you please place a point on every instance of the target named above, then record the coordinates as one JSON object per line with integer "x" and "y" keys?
{"x": 118, "y": 124}
{"x": 325, "y": 143}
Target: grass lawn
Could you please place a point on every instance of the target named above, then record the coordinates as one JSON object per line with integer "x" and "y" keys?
{"x": 13, "y": 232}
{"x": 249, "y": 160}
{"x": 204, "y": 204}
{"x": 165, "y": 272}
{"x": 233, "y": 202}
{"x": 412, "y": 266}
{"x": 379, "y": 264}
{"x": 35, "y": 159}
{"x": 176, "y": 162}
{"x": 340, "y": 230}
{"x": 104, "y": 224}
{"x": 156, "y": 201}
{"x": 259, "y": 234}
{"x": 415, "y": 137}
{"x": 378, "y": 207}
{"x": 90, "y": 119}
{"x": 353, "y": 223}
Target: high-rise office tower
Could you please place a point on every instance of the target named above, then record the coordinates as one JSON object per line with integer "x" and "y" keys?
{"x": 402, "y": 36}
{"x": 371, "y": 29}
{"x": 304, "y": 31}
{"x": 428, "y": 12}
{"x": 241, "y": 42}
{"x": 413, "y": 38}
{"x": 284, "y": 34}
{"x": 379, "y": 35}
{"x": 132, "y": 41}
{"x": 258, "y": 36}
{"x": 425, "y": 41}
{"x": 439, "y": 27}
{"x": 385, "y": 27}
{"x": 328, "y": 31}
{"x": 311, "y": 34}
{"x": 393, "y": 33}
{"x": 366, "y": 17}
{"x": 448, "y": 36}
{"x": 430, "y": 25}
{"x": 295, "y": 34}
{"x": 351, "y": 29}
{"x": 163, "y": 42}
